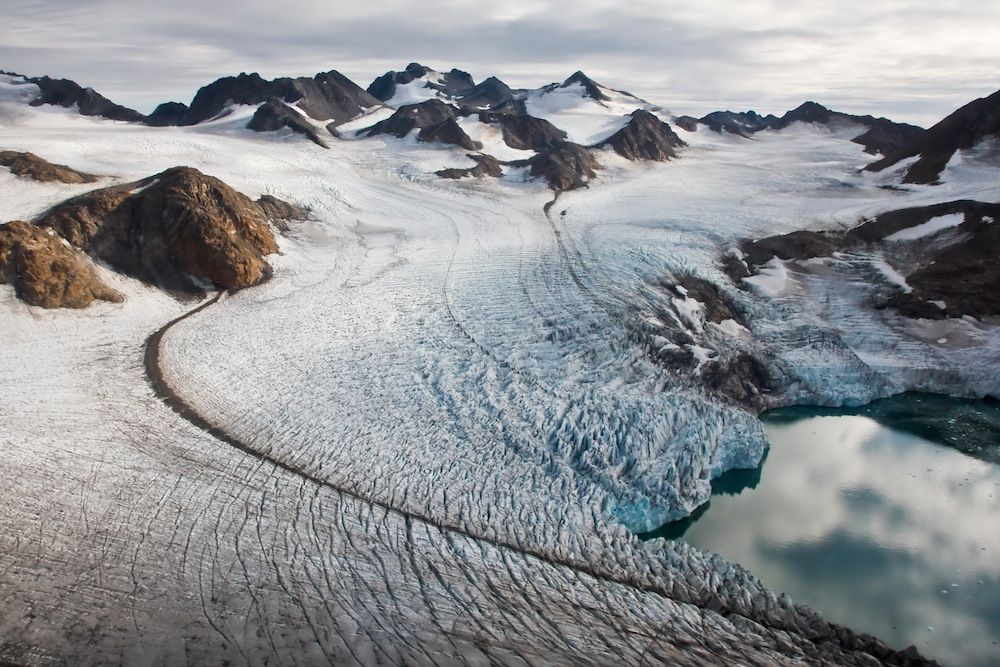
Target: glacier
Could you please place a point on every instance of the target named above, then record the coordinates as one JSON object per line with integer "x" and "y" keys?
{"x": 465, "y": 376}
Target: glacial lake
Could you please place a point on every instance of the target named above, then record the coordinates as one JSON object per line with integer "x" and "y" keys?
{"x": 884, "y": 518}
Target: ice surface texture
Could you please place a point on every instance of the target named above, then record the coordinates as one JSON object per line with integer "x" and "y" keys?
{"x": 443, "y": 349}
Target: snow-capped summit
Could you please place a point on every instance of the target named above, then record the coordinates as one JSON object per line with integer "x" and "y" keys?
{"x": 591, "y": 88}
{"x": 417, "y": 83}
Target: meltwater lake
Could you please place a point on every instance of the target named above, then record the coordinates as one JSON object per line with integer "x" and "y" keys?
{"x": 885, "y": 518}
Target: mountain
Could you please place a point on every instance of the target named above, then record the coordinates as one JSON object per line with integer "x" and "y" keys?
{"x": 525, "y": 132}
{"x": 67, "y": 93}
{"x": 963, "y": 129}
{"x": 275, "y": 115}
{"x": 565, "y": 166}
{"x": 742, "y": 123}
{"x": 944, "y": 253}
{"x": 645, "y": 137}
{"x": 179, "y": 230}
{"x": 490, "y": 94}
{"x": 327, "y": 96}
{"x": 590, "y": 87}
{"x": 450, "y": 83}
{"x": 880, "y": 136}
{"x": 436, "y": 120}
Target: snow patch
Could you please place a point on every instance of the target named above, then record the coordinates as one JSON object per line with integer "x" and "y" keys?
{"x": 891, "y": 274}
{"x": 772, "y": 280}
{"x": 932, "y": 226}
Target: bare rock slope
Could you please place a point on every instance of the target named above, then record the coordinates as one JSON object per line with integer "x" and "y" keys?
{"x": 46, "y": 271}
{"x": 179, "y": 229}
{"x": 976, "y": 121}
{"x": 29, "y": 165}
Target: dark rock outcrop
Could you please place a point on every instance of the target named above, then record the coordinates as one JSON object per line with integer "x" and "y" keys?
{"x": 178, "y": 229}
{"x": 167, "y": 114}
{"x": 743, "y": 123}
{"x": 451, "y": 83}
{"x": 278, "y": 210}
{"x": 807, "y": 112}
{"x": 436, "y": 120}
{"x": 590, "y": 86}
{"x": 46, "y": 271}
{"x": 66, "y": 93}
{"x": 645, "y": 137}
{"x": 525, "y": 132}
{"x": 491, "y": 93}
{"x": 328, "y": 96}
{"x": 274, "y": 115}
{"x": 687, "y": 123}
{"x": 486, "y": 165}
{"x": 29, "y": 165}
{"x": 963, "y": 129}
{"x": 881, "y": 136}
{"x": 565, "y": 166}
{"x": 956, "y": 266}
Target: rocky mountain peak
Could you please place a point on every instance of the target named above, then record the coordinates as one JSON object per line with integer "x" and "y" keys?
{"x": 589, "y": 85}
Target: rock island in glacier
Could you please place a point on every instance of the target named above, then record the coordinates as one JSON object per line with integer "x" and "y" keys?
{"x": 300, "y": 372}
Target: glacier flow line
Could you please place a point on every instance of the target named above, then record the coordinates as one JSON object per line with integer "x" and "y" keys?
{"x": 167, "y": 394}
{"x": 707, "y": 601}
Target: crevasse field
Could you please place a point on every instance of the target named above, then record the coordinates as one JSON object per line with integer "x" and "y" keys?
{"x": 472, "y": 380}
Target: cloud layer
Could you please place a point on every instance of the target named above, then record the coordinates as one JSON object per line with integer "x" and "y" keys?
{"x": 912, "y": 60}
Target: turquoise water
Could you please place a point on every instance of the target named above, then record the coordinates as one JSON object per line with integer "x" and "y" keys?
{"x": 885, "y": 518}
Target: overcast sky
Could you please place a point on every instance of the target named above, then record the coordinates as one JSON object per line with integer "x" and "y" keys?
{"x": 911, "y": 60}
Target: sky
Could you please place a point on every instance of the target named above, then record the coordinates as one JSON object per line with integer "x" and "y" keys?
{"x": 909, "y": 60}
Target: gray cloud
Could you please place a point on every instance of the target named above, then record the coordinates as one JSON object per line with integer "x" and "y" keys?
{"x": 908, "y": 59}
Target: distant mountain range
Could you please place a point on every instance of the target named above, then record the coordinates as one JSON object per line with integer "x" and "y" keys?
{"x": 436, "y": 105}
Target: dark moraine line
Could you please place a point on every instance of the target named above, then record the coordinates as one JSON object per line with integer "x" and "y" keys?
{"x": 845, "y": 639}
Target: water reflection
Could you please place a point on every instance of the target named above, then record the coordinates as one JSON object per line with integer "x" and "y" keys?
{"x": 863, "y": 515}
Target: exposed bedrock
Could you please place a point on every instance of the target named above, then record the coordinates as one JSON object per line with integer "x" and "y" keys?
{"x": 973, "y": 123}
{"x": 29, "y": 165}
{"x": 274, "y": 115}
{"x": 327, "y": 96}
{"x": 180, "y": 230}
{"x": 167, "y": 114}
{"x": 436, "y": 121}
{"x": 565, "y": 166}
{"x": 46, "y": 271}
{"x": 66, "y": 93}
{"x": 700, "y": 332}
{"x": 525, "y": 132}
{"x": 880, "y": 136}
{"x": 645, "y": 137}
{"x": 450, "y": 83}
{"x": 486, "y": 166}
{"x": 946, "y": 254}
{"x": 742, "y": 123}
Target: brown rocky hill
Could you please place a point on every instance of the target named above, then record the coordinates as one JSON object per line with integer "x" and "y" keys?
{"x": 645, "y": 137}
{"x": 180, "y": 229}
{"x": 29, "y": 165}
{"x": 46, "y": 271}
